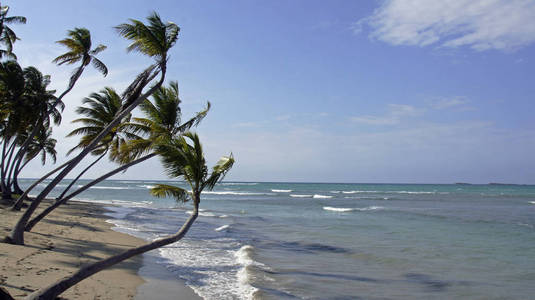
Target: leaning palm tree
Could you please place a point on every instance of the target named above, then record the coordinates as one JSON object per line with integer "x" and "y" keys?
{"x": 79, "y": 44}
{"x": 162, "y": 121}
{"x": 154, "y": 40}
{"x": 182, "y": 158}
{"x": 7, "y": 35}
{"x": 99, "y": 110}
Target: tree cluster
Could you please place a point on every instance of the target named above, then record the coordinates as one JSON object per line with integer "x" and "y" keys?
{"x": 29, "y": 111}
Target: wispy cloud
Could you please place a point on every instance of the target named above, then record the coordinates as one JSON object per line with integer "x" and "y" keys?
{"x": 396, "y": 113}
{"x": 449, "y": 103}
{"x": 479, "y": 24}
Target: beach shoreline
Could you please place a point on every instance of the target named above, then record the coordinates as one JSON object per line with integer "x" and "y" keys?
{"x": 72, "y": 236}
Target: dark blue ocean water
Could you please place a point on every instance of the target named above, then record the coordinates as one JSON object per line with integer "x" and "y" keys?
{"x": 341, "y": 241}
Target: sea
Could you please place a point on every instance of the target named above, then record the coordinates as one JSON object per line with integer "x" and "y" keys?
{"x": 269, "y": 240}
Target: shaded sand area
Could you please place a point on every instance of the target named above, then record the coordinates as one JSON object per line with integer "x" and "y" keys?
{"x": 74, "y": 235}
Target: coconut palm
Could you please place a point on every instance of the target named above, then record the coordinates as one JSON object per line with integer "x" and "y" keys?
{"x": 154, "y": 40}
{"x": 182, "y": 158}
{"x": 99, "y": 110}
{"x": 79, "y": 45}
{"x": 8, "y": 36}
{"x": 163, "y": 121}
{"x": 42, "y": 144}
{"x": 29, "y": 111}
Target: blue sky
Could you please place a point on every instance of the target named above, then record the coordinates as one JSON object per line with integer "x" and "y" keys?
{"x": 326, "y": 91}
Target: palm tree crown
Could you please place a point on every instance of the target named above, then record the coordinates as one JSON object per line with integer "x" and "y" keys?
{"x": 7, "y": 35}
{"x": 79, "y": 45}
{"x": 99, "y": 110}
{"x": 183, "y": 157}
{"x": 154, "y": 39}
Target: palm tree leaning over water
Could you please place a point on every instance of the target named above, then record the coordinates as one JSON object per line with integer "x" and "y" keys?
{"x": 182, "y": 158}
{"x": 162, "y": 121}
{"x": 154, "y": 40}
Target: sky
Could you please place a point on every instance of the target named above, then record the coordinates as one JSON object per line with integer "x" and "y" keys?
{"x": 393, "y": 91}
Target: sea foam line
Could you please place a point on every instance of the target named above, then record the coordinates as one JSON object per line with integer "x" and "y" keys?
{"x": 300, "y": 196}
{"x": 237, "y": 193}
{"x": 317, "y": 196}
{"x": 281, "y": 191}
{"x": 222, "y": 228}
{"x": 345, "y": 209}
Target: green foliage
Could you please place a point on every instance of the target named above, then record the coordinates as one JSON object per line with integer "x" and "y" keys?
{"x": 99, "y": 110}
{"x": 7, "y": 35}
{"x": 79, "y": 44}
{"x": 165, "y": 190}
{"x": 154, "y": 39}
{"x": 183, "y": 158}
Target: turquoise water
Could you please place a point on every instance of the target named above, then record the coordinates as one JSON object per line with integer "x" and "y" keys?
{"x": 341, "y": 241}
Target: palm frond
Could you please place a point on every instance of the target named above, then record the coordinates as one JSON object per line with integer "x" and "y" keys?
{"x": 165, "y": 190}
{"x": 100, "y": 66}
{"x": 219, "y": 171}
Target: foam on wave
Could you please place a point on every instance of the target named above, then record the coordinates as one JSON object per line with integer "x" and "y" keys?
{"x": 346, "y": 209}
{"x": 301, "y": 196}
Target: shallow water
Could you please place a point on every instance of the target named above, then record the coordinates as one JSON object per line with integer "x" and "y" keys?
{"x": 341, "y": 241}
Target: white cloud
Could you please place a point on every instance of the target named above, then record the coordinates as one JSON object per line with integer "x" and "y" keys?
{"x": 449, "y": 103}
{"x": 478, "y": 24}
{"x": 396, "y": 112}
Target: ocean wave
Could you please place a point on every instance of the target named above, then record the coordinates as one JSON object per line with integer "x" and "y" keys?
{"x": 532, "y": 202}
{"x": 238, "y": 183}
{"x": 317, "y": 196}
{"x": 147, "y": 186}
{"x": 345, "y": 209}
{"x": 107, "y": 187}
{"x": 222, "y": 228}
{"x": 339, "y": 209}
{"x": 237, "y": 193}
{"x": 301, "y": 196}
{"x": 203, "y": 214}
{"x": 281, "y": 191}
{"x": 115, "y": 202}
{"x": 367, "y": 198}
{"x": 244, "y": 258}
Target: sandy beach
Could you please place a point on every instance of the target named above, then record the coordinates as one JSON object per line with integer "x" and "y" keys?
{"x": 74, "y": 235}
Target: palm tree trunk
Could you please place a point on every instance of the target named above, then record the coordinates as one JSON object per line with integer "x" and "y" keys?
{"x": 16, "y": 236}
{"x": 55, "y": 289}
{"x": 61, "y": 201}
{"x": 18, "y": 168}
{"x": 19, "y": 202}
{"x": 80, "y": 175}
{"x": 6, "y": 191}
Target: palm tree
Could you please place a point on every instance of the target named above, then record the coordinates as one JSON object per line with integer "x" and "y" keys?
{"x": 163, "y": 121}
{"x": 100, "y": 110}
{"x": 27, "y": 102}
{"x": 182, "y": 158}
{"x": 43, "y": 144}
{"x": 8, "y": 36}
{"x": 79, "y": 44}
{"x": 154, "y": 40}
